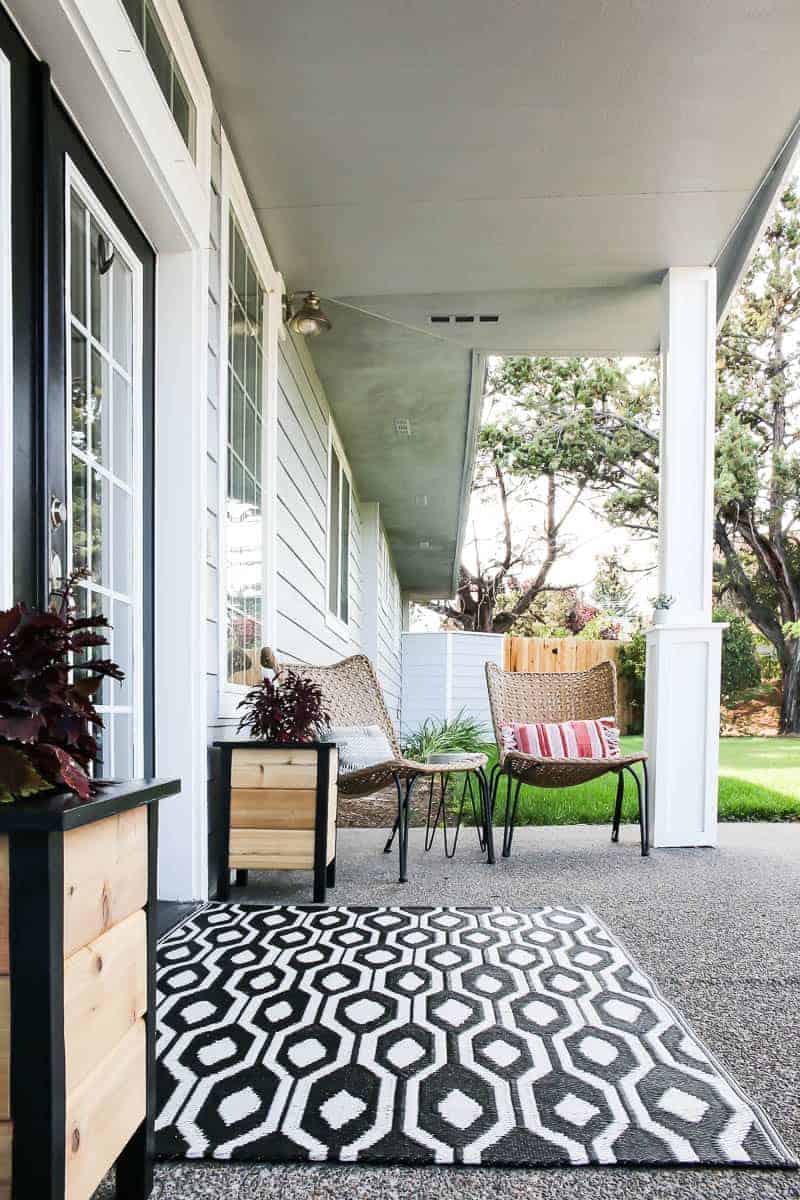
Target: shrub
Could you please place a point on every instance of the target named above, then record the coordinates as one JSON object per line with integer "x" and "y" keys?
{"x": 740, "y": 666}
{"x": 446, "y": 737}
{"x": 632, "y": 657}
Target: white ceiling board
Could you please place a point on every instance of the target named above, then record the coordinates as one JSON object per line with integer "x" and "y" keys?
{"x": 616, "y": 320}
{"x": 372, "y": 132}
{"x": 473, "y": 246}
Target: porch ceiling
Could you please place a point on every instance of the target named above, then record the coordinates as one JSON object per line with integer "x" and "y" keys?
{"x": 542, "y": 162}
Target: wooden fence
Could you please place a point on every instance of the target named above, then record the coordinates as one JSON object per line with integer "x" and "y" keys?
{"x": 570, "y": 654}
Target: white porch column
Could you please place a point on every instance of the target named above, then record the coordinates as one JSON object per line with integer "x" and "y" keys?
{"x": 683, "y": 654}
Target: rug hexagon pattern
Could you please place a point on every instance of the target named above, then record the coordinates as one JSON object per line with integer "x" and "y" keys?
{"x": 420, "y": 1035}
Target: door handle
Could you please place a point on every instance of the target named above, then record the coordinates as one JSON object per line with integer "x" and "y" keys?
{"x": 58, "y": 512}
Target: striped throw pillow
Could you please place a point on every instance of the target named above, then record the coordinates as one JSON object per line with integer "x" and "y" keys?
{"x": 564, "y": 739}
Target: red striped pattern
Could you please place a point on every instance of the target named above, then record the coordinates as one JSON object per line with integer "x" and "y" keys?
{"x": 565, "y": 739}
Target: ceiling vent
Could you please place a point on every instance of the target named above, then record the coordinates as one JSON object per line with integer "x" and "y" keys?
{"x": 402, "y": 425}
{"x": 464, "y": 318}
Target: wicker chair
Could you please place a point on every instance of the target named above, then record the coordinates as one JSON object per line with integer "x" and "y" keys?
{"x": 352, "y": 695}
{"x": 529, "y": 697}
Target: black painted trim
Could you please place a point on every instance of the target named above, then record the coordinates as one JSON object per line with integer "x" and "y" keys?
{"x": 321, "y": 821}
{"x": 134, "y": 1170}
{"x": 224, "y": 875}
{"x": 38, "y": 1080}
{"x": 63, "y": 811}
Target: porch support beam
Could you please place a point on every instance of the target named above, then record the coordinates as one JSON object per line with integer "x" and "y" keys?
{"x": 683, "y": 653}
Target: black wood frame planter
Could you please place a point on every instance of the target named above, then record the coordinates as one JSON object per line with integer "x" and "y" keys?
{"x": 79, "y": 906}
{"x": 278, "y": 810}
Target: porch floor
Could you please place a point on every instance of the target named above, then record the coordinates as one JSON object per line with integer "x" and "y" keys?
{"x": 717, "y": 929}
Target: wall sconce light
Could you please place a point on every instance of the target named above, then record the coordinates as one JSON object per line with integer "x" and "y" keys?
{"x": 308, "y": 318}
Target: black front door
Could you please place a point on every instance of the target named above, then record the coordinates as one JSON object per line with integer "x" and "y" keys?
{"x": 84, "y": 390}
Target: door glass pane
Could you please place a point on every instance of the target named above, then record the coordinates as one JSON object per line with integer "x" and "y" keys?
{"x": 101, "y": 528}
{"x": 100, "y": 411}
{"x": 122, "y": 279}
{"x": 100, "y": 606}
{"x": 123, "y": 541}
{"x": 79, "y": 512}
{"x": 80, "y": 416}
{"x": 123, "y": 439}
{"x": 122, "y": 620}
{"x": 100, "y": 770}
{"x": 123, "y": 746}
{"x": 101, "y": 250}
{"x": 77, "y": 258}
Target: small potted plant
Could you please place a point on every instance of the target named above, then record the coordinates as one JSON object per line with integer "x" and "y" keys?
{"x": 283, "y": 708}
{"x": 662, "y": 603}
{"x": 48, "y": 676}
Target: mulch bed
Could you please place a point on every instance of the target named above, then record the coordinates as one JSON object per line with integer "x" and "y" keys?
{"x": 379, "y": 810}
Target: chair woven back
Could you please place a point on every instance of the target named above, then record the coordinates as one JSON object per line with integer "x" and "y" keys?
{"x": 351, "y": 694}
{"x": 528, "y": 697}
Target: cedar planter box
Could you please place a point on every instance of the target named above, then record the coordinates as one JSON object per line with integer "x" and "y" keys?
{"x": 279, "y": 810}
{"x": 77, "y": 992}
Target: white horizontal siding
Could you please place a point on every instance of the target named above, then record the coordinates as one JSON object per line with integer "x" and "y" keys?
{"x": 304, "y": 631}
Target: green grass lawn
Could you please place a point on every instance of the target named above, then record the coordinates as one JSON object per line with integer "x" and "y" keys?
{"x": 759, "y": 780}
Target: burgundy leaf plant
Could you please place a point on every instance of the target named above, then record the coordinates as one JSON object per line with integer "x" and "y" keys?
{"x": 286, "y": 708}
{"x": 48, "y": 676}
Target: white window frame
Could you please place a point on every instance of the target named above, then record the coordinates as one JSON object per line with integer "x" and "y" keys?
{"x": 6, "y": 347}
{"x": 235, "y": 201}
{"x": 332, "y": 619}
{"x": 74, "y": 182}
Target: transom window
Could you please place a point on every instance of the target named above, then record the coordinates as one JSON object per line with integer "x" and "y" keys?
{"x": 244, "y": 542}
{"x": 150, "y": 33}
{"x": 338, "y": 540}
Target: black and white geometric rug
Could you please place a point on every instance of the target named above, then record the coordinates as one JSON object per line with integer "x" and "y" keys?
{"x": 432, "y": 1035}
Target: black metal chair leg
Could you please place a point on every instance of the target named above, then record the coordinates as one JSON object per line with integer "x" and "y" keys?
{"x": 511, "y": 815}
{"x": 641, "y": 806}
{"x": 618, "y": 806}
{"x": 644, "y": 812}
{"x": 488, "y": 828}
{"x": 330, "y": 874}
{"x": 450, "y": 850}
{"x": 403, "y": 815}
{"x": 478, "y": 809}
{"x": 430, "y": 831}
{"x": 387, "y": 849}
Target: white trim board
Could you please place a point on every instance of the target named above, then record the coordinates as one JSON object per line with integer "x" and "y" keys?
{"x": 6, "y": 347}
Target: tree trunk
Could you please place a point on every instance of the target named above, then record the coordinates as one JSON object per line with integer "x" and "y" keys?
{"x": 790, "y": 704}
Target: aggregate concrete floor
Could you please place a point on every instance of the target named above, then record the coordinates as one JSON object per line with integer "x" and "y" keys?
{"x": 717, "y": 929}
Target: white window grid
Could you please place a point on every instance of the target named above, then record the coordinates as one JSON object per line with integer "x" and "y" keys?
{"x": 102, "y": 596}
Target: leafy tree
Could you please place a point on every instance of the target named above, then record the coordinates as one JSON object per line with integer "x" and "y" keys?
{"x": 553, "y": 430}
{"x": 757, "y": 470}
{"x": 612, "y": 592}
{"x": 740, "y": 668}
